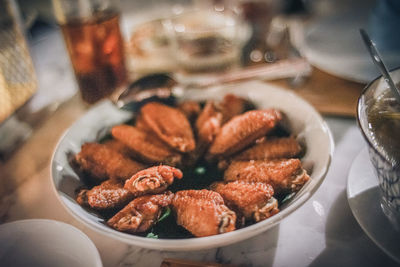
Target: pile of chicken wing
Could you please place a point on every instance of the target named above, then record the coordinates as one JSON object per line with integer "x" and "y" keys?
{"x": 131, "y": 175}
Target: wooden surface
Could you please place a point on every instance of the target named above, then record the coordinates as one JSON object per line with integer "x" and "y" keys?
{"x": 187, "y": 263}
{"x": 330, "y": 95}
{"x": 34, "y": 156}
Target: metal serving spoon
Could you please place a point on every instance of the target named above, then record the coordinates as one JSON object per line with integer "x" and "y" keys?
{"x": 376, "y": 58}
{"x": 163, "y": 87}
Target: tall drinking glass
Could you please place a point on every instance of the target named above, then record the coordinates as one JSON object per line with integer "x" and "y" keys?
{"x": 95, "y": 45}
{"x": 17, "y": 76}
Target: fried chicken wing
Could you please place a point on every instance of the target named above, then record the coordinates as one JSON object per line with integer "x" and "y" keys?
{"x": 231, "y": 106}
{"x": 242, "y": 130}
{"x": 152, "y": 180}
{"x": 170, "y": 125}
{"x": 285, "y": 175}
{"x": 142, "y": 126}
{"x": 120, "y": 147}
{"x": 141, "y": 213}
{"x": 146, "y": 146}
{"x": 207, "y": 126}
{"x": 253, "y": 200}
{"x": 176, "y": 160}
{"x": 101, "y": 163}
{"x": 209, "y": 122}
{"x": 266, "y": 149}
{"x": 109, "y": 195}
{"x": 277, "y": 148}
{"x": 203, "y": 213}
{"x": 190, "y": 108}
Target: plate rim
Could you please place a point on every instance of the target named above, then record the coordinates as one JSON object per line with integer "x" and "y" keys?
{"x": 358, "y": 218}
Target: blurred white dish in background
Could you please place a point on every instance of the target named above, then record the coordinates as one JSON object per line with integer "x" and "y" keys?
{"x": 45, "y": 243}
{"x": 333, "y": 44}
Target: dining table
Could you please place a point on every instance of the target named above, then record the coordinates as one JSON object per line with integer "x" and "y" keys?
{"x": 322, "y": 232}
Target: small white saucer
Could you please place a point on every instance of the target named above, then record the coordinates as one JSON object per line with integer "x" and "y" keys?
{"x": 44, "y": 243}
{"x": 364, "y": 199}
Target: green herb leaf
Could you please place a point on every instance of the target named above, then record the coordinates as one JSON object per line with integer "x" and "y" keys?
{"x": 166, "y": 213}
{"x": 152, "y": 235}
{"x": 200, "y": 171}
{"x": 288, "y": 197}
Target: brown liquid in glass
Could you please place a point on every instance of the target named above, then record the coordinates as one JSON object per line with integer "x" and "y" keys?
{"x": 384, "y": 127}
{"x": 96, "y": 50}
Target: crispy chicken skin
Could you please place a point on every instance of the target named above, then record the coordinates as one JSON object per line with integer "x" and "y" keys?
{"x": 266, "y": 149}
{"x": 285, "y": 175}
{"x": 102, "y": 163}
{"x": 242, "y": 130}
{"x": 214, "y": 115}
{"x": 253, "y": 200}
{"x": 190, "y": 108}
{"x": 146, "y": 146}
{"x": 203, "y": 213}
{"x": 170, "y": 125}
{"x": 231, "y": 106}
{"x": 109, "y": 195}
{"x": 209, "y": 122}
{"x": 277, "y": 148}
{"x": 141, "y": 125}
{"x": 141, "y": 213}
{"x": 207, "y": 126}
{"x": 152, "y": 180}
{"x": 119, "y": 147}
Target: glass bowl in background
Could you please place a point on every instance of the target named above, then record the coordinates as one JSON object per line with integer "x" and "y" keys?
{"x": 378, "y": 116}
{"x": 207, "y": 39}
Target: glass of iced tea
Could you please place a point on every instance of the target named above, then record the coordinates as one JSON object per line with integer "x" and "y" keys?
{"x": 95, "y": 45}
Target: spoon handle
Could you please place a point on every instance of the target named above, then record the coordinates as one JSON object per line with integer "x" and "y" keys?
{"x": 376, "y": 58}
{"x": 282, "y": 69}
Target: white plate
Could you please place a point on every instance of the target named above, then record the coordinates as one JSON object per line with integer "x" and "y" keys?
{"x": 334, "y": 44}
{"x": 364, "y": 199}
{"x": 305, "y": 121}
{"x": 39, "y": 242}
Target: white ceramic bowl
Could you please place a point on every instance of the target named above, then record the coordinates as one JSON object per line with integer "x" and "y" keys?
{"x": 305, "y": 121}
{"x": 39, "y": 242}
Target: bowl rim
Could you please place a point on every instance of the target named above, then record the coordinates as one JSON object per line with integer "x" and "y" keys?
{"x": 365, "y": 89}
{"x": 181, "y": 19}
{"x": 198, "y": 243}
{"x": 79, "y": 232}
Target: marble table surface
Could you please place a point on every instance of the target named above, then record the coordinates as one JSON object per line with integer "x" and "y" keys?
{"x": 323, "y": 232}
